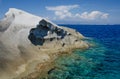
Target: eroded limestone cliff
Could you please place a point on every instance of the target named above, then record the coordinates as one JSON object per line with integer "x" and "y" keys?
{"x": 28, "y": 41}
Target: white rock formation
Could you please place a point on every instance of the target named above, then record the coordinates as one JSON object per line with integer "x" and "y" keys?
{"x": 25, "y": 38}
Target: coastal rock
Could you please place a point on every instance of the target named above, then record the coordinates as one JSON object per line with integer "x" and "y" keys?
{"x": 27, "y": 40}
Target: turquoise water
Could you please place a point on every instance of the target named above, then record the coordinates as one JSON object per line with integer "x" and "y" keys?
{"x": 101, "y": 61}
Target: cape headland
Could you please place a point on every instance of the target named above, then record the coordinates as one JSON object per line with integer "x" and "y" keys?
{"x": 29, "y": 44}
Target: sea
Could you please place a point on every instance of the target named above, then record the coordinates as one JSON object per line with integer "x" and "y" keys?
{"x": 100, "y": 61}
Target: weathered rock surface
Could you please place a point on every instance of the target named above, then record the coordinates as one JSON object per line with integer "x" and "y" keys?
{"x": 27, "y": 40}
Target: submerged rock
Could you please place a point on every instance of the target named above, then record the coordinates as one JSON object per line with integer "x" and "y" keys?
{"x": 26, "y": 39}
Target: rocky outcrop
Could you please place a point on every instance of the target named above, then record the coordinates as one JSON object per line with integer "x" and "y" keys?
{"x": 27, "y": 40}
{"x": 45, "y": 31}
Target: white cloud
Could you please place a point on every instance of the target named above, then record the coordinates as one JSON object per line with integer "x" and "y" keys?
{"x": 93, "y": 15}
{"x": 64, "y": 12}
{"x": 105, "y": 16}
{"x": 63, "y": 7}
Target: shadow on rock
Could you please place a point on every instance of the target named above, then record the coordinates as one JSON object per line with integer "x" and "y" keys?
{"x": 45, "y": 31}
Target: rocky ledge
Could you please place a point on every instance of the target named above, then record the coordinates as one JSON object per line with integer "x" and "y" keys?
{"x": 28, "y": 44}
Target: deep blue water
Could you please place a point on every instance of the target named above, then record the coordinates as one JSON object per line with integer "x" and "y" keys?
{"x": 101, "y": 61}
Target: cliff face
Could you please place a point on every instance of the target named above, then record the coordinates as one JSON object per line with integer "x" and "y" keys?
{"x": 25, "y": 38}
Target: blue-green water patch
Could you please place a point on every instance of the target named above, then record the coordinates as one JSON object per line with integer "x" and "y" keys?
{"x": 79, "y": 64}
{"x": 102, "y": 61}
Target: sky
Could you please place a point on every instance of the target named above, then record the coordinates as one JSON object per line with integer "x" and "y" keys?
{"x": 68, "y": 11}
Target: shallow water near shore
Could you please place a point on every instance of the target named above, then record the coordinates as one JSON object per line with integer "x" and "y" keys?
{"x": 101, "y": 61}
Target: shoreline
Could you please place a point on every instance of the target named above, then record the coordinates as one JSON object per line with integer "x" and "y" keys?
{"x": 36, "y": 69}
